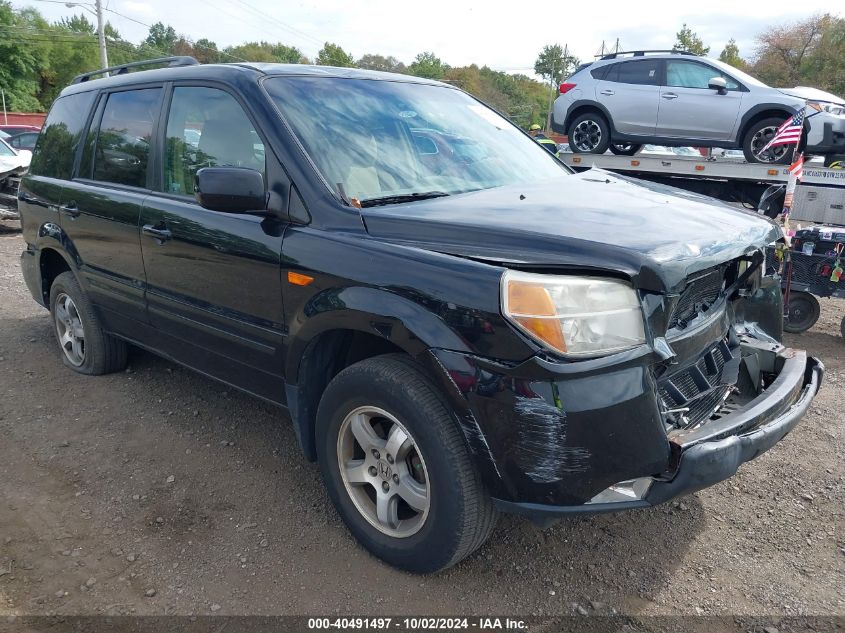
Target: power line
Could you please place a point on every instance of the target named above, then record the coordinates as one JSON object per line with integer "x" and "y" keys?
{"x": 149, "y": 26}
{"x": 279, "y": 22}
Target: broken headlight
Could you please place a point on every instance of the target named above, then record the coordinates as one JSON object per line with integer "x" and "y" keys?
{"x": 575, "y": 316}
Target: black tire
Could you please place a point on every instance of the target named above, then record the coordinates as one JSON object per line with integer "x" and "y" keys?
{"x": 460, "y": 516}
{"x": 802, "y": 312}
{"x": 842, "y": 327}
{"x": 103, "y": 353}
{"x": 779, "y": 156}
{"x": 595, "y": 133}
{"x": 624, "y": 149}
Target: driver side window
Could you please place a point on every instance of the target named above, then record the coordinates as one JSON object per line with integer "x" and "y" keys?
{"x": 684, "y": 74}
{"x": 206, "y": 127}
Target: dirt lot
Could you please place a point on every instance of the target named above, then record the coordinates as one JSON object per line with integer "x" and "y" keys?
{"x": 157, "y": 491}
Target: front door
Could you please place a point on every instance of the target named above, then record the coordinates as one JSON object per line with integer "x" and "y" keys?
{"x": 213, "y": 279}
{"x": 690, "y": 109}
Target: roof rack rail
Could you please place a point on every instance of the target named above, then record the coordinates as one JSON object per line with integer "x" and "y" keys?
{"x": 642, "y": 53}
{"x": 122, "y": 69}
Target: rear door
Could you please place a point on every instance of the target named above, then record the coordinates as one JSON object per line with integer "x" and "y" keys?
{"x": 214, "y": 285}
{"x": 690, "y": 109}
{"x": 631, "y": 91}
{"x": 41, "y": 189}
{"x": 101, "y": 206}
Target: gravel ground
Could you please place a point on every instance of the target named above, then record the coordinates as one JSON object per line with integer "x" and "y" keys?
{"x": 157, "y": 491}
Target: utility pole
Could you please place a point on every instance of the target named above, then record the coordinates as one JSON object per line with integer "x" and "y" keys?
{"x": 552, "y": 91}
{"x": 5, "y": 116}
{"x": 101, "y": 34}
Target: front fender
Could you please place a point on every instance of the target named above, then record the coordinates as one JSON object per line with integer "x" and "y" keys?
{"x": 406, "y": 324}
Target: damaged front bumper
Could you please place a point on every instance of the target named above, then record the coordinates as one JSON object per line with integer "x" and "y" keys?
{"x": 714, "y": 451}
{"x": 552, "y": 439}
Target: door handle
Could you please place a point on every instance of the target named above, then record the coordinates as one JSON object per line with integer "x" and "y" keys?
{"x": 669, "y": 95}
{"x": 70, "y": 209}
{"x": 608, "y": 93}
{"x": 161, "y": 234}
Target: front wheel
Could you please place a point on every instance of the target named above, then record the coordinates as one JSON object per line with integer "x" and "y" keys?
{"x": 589, "y": 133}
{"x": 625, "y": 149}
{"x": 758, "y": 136}
{"x": 802, "y": 312}
{"x": 397, "y": 468}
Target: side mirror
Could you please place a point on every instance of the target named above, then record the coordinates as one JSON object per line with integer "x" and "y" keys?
{"x": 719, "y": 85}
{"x": 230, "y": 189}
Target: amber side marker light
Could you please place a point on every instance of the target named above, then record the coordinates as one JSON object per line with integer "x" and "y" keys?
{"x": 699, "y": 168}
{"x": 772, "y": 172}
{"x": 298, "y": 279}
{"x": 532, "y": 307}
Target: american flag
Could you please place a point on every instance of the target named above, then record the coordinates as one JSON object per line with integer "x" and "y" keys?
{"x": 796, "y": 173}
{"x": 788, "y": 133}
{"x": 797, "y": 168}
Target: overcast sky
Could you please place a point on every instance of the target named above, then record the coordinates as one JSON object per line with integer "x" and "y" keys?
{"x": 500, "y": 34}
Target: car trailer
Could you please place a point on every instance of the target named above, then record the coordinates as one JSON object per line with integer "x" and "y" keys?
{"x": 807, "y": 269}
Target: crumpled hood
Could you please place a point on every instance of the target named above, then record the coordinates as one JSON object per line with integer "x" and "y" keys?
{"x": 592, "y": 221}
{"x": 813, "y": 94}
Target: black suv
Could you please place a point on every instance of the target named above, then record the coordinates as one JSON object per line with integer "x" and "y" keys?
{"x": 457, "y": 324}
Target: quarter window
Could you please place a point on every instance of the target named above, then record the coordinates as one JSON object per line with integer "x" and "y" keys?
{"x": 56, "y": 149}
{"x": 644, "y": 72}
{"x": 684, "y": 74}
{"x": 207, "y": 127}
{"x": 123, "y": 143}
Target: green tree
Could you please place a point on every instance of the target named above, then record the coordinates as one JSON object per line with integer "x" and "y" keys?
{"x": 730, "y": 55}
{"x": 334, "y": 55}
{"x": 554, "y": 63}
{"x": 688, "y": 40}
{"x": 162, "y": 38}
{"x": 380, "y": 62}
{"x": 206, "y": 51}
{"x": 794, "y": 54}
{"x": 266, "y": 52}
{"x": 428, "y": 65}
{"x": 20, "y": 61}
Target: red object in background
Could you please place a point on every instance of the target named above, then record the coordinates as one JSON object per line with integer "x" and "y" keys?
{"x": 35, "y": 119}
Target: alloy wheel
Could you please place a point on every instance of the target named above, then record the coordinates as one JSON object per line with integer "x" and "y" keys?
{"x": 761, "y": 139}
{"x": 383, "y": 471}
{"x": 70, "y": 330}
{"x": 587, "y": 135}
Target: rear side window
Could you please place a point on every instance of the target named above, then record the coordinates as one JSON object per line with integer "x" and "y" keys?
{"x": 206, "y": 127}
{"x": 644, "y": 72}
{"x": 56, "y": 147}
{"x": 122, "y": 148}
{"x": 601, "y": 72}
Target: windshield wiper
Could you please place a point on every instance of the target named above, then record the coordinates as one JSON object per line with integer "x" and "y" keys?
{"x": 403, "y": 197}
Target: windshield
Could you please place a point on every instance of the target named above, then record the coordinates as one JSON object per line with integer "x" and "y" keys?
{"x": 374, "y": 140}
{"x": 5, "y": 150}
{"x": 736, "y": 73}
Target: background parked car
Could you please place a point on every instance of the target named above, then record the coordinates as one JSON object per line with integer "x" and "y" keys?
{"x": 11, "y": 130}
{"x": 23, "y": 141}
{"x": 676, "y": 98}
{"x": 13, "y": 161}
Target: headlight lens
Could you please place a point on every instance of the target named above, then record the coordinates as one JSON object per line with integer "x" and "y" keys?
{"x": 575, "y": 316}
{"x": 830, "y": 108}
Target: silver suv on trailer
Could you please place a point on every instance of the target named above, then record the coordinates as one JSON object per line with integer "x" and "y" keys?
{"x": 676, "y": 98}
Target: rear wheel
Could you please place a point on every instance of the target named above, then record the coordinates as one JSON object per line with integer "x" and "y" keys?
{"x": 802, "y": 312}
{"x": 625, "y": 149}
{"x": 758, "y": 136}
{"x": 86, "y": 347}
{"x": 589, "y": 133}
{"x": 397, "y": 469}
{"x": 842, "y": 327}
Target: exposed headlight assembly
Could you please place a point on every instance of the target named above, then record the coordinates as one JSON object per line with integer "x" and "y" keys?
{"x": 574, "y": 316}
{"x": 830, "y": 108}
